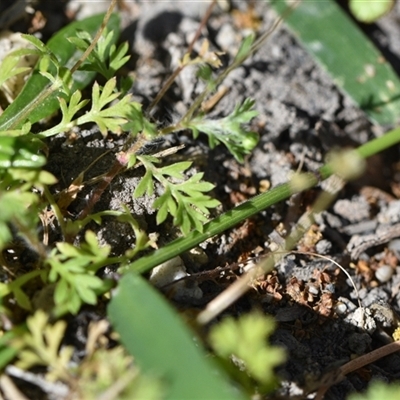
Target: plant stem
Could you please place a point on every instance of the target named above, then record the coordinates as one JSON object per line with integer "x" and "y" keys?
{"x": 242, "y": 285}
{"x": 51, "y": 88}
{"x": 353, "y": 365}
{"x": 55, "y": 208}
{"x": 219, "y": 224}
{"x": 178, "y": 70}
{"x": 96, "y": 38}
{"x": 236, "y": 63}
{"x": 253, "y": 206}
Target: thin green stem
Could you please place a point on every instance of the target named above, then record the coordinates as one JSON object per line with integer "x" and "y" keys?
{"x": 223, "y": 222}
{"x": 235, "y": 64}
{"x": 253, "y": 206}
{"x": 178, "y": 70}
{"x": 51, "y": 88}
{"x": 379, "y": 144}
{"x": 85, "y": 55}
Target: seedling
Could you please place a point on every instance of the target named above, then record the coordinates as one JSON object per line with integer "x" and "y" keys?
{"x": 70, "y": 273}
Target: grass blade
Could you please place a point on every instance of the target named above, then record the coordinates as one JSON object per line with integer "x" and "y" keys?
{"x": 67, "y": 54}
{"x": 352, "y": 60}
{"x": 161, "y": 344}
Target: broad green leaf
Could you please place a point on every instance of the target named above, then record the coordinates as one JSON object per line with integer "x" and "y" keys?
{"x": 67, "y": 55}
{"x": 354, "y": 63}
{"x": 161, "y": 344}
{"x": 370, "y": 10}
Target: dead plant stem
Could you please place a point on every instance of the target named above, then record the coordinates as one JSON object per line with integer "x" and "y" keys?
{"x": 238, "y": 288}
{"x": 353, "y": 365}
{"x": 96, "y": 38}
{"x": 178, "y": 70}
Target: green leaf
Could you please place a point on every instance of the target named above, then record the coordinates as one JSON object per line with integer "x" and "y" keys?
{"x": 179, "y": 199}
{"x": 68, "y": 250}
{"x": 9, "y": 64}
{"x": 145, "y": 185}
{"x": 113, "y": 117}
{"x": 106, "y": 58}
{"x": 378, "y": 391}
{"x": 93, "y": 247}
{"x": 16, "y": 207}
{"x": 73, "y": 271}
{"x": 205, "y": 73}
{"x": 352, "y": 60}
{"x": 369, "y": 11}
{"x": 75, "y": 104}
{"x": 22, "y": 299}
{"x": 67, "y": 54}
{"x": 85, "y": 285}
{"x": 161, "y": 344}
{"x": 165, "y": 204}
{"x": 7, "y": 352}
{"x": 246, "y": 339}
{"x": 229, "y": 130}
{"x": 119, "y": 57}
{"x": 61, "y": 292}
{"x": 175, "y": 170}
{"x": 245, "y": 47}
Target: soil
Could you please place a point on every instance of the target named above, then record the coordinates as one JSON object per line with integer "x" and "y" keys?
{"x": 302, "y": 116}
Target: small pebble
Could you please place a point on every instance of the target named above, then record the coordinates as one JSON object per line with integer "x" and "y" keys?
{"x": 340, "y": 308}
{"x": 168, "y": 272}
{"x": 384, "y": 273}
{"x": 313, "y": 290}
{"x": 171, "y": 271}
{"x": 226, "y": 39}
{"x": 362, "y": 319}
{"x": 323, "y": 246}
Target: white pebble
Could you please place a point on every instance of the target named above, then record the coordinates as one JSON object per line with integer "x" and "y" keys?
{"x": 340, "y": 308}
{"x": 384, "y": 273}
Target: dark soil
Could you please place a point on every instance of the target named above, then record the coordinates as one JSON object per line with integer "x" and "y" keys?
{"x": 302, "y": 116}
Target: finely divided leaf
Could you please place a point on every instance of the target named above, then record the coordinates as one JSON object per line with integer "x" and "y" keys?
{"x": 229, "y": 130}
{"x": 67, "y": 54}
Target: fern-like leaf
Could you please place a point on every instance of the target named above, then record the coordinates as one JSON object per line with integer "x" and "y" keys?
{"x": 229, "y": 130}
{"x": 184, "y": 200}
